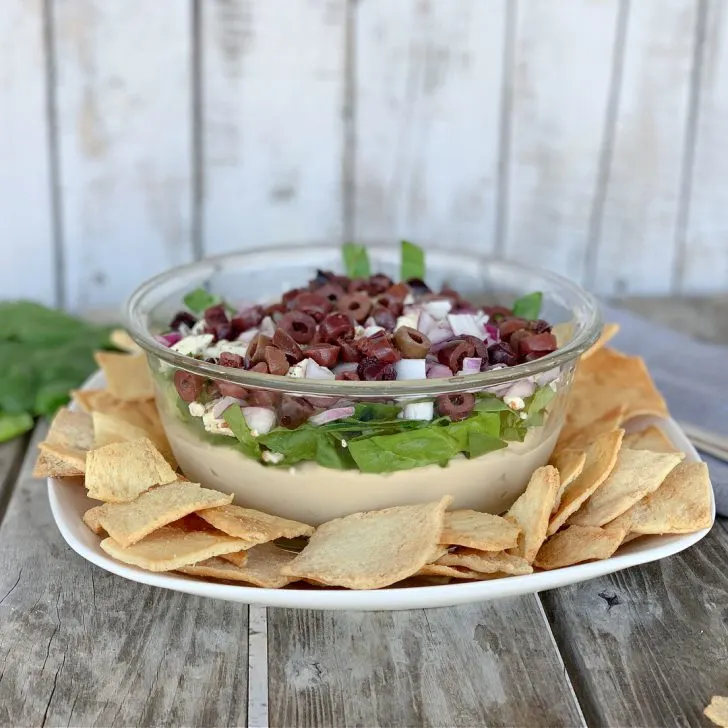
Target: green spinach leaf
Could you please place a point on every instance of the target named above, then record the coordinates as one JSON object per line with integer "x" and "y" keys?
{"x": 233, "y": 415}
{"x": 413, "y": 261}
{"x": 356, "y": 260}
{"x": 529, "y": 306}
{"x": 402, "y": 451}
{"x": 200, "y": 299}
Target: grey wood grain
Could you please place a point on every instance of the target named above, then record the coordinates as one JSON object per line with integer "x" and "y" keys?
{"x": 648, "y": 646}
{"x": 491, "y": 664}
{"x": 11, "y": 457}
{"x": 81, "y": 647}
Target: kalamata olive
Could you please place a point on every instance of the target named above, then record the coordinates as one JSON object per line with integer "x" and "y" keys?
{"x": 348, "y": 352}
{"x": 515, "y": 340}
{"x": 230, "y": 389}
{"x": 182, "y": 318}
{"x": 465, "y": 307}
{"x": 538, "y": 344}
{"x": 294, "y": 411}
{"x": 262, "y": 398}
{"x": 285, "y": 342}
{"x": 413, "y": 344}
{"x": 453, "y": 354}
{"x": 347, "y": 377}
{"x": 418, "y": 286}
{"x": 228, "y": 359}
{"x": 393, "y": 304}
{"x": 216, "y": 315}
{"x": 288, "y": 296}
{"x": 356, "y": 305}
{"x": 336, "y": 326}
{"x": 378, "y": 283}
{"x": 379, "y": 346}
{"x": 455, "y": 406}
{"x": 314, "y": 304}
{"x": 501, "y": 353}
{"x": 247, "y": 319}
{"x": 256, "y": 350}
{"x": 332, "y": 292}
{"x": 324, "y": 354}
{"x": 222, "y": 331}
{"x": 384, "y": 317}
{"x": 509, "y": 325}
{"x": 357, "y": 285}
{"x": 299, "y": 325}
{"x": 481, "y": 348}
{"x": 188, "y": 385}
{"x": 276, "y": 361}
{"x": 261, "y": 367}
{"x": 497, "y": 313}
{"x": 275, "y": 308}
{"x": 371, "y": 369}
{"x": 539, "y": 326}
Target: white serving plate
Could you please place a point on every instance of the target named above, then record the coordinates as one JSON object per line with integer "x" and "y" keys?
{"x": 69, "y": 502}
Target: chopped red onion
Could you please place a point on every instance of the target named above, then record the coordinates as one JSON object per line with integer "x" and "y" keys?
{"x": 312, "y": 370}
{"x": 346, "y": 366}
{"x": 493, "y": 333}
{"x": 547, "y": 377}
{"x": 260, "y": 419}
{"x": 267, "y": 326}
{"x": 426, "y": 323}
{"x": 247, "y": 336}
{"x": 465, "y": 323}
{"x": 331, "y": 415}
{"x": 222, "y": 404}
{"x": 439, "y": 371}
{"x": 322, "y": 401}
{"x": 169, "y": 339}
{"x": 438, "y": 309}
{"x": 410, "y": 369}
{"x": 442, "y": 332}
{"x": 471, "y": 365}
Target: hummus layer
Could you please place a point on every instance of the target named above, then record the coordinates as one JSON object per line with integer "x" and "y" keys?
{"x": 313, "y": 494}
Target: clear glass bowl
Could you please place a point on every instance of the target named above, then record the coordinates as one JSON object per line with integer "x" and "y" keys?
{"x": 329, "y": 481}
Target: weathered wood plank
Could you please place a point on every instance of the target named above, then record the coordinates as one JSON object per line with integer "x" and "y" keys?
{"x": 636, "y": 237}
{"x": 657, "y": 654}
{"x": 273, "y": 80}
{"x": 428, "y": 80}
{"x": 26, "y": 214}
{"x": 563, "y": 69}
{"x": 11, "y": 458}
{"x": 79, "y": 646}
{"x": 489, "y": 664}
{"x": 124, "y": 133}
{"x": 704, "y": 262}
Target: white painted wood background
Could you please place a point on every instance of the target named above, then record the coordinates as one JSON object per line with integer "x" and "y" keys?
{"x": 586, "y": 136}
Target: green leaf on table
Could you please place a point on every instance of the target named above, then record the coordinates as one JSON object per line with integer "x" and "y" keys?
{"x": 200, "y": 299}
{"x": 529, "y": 306}
{"x": 413, "y": 261}
{"x": 51, "y": 397}
{"x": 233, "y": 415}
{"x": 356, "y": 260}
{"x": 13, "y": 425}
{"x": 402, "y": 451}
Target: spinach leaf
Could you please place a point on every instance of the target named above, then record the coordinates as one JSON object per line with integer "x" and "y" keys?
{"x": 413, "y": 261}
{"x": 481, "y": 423}
{"x": 13, "y": 425}
{"x": 489, "y": 403}
{"x": 200, "y": 299}
{"x": 330, "y": 453}
{"x": 402, "y": 451}
{"x": 528, "y": 306}
{"x": 356, "y": 260}
{"x": 369, "y": 411}
{"x": 233, "y": 415}
{"x": 540, "y": 400}
{"x": 480, "y": 443}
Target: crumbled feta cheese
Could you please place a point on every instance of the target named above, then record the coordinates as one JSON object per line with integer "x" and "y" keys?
{"x": 196, "y": 409}
{"x": 554, "y": 385}
{"x": 232, "y": 347}
{"x": 437, "y": 309}
{"x": 193, "y": 345}
{"x": 514, "y": 403}
{"x": 199, "y": 327}
{"x": 418, "y": 411}
{"x": 298, "y": 371}
{"x": 371, "y": 330}
{"x": 523, "y": 415}
{"x": 408, "y": 319}
{"x": 216, "y": 425}
{"x": 465, "y": 323}
{"x": 344, "y": 443}
{"x": 409, "y": 299}
{"x": 411, "y": 369}
{"x": 272, "y": 457}
{"x": 359, "y": 331}
{"x": 254, "y": 432}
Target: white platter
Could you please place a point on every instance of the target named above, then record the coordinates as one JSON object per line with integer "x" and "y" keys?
{"x": 68, "y": 502}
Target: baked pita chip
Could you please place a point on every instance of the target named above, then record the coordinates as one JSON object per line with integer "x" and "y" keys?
{"x": 651, "y": 438}
{"x": 262, "y": 567}
{"x": 456, "y": 572}
{"x": 123, "y": 425}
{"x": 253, "y": 526}
{"x": 487, "y": 562}
{"x": 120, "y": 472}
{"x": 570, "y": 464}
{"x": 578, "y": 543}
{"x": 608, "y": 379}
{"x": 121, "y": 340}
{"x": 71, "y": 429}
{"x": 373, "y": 549}
{"x": 601, "y": 457}
{"x": 92, "y": 518}
{"x": 609, "y": 331}
{"x": 682, "y": 504}
{"x": 636, "y": 474}
{"x": 68, "y": 459}
{"x": 171, "y": 548}
{"x": 717, "y": 711}
{"x": 49, "y": 465}
{"x": 579, "y": 439}
{"x": 128, "y": 523}
{"x": 127, "y": 375}
{"x": 478, "y": 530}
{"x": 532, "y": 510}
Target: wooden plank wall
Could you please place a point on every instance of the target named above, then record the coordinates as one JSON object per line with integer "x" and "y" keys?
{"x": 587, "y": 137}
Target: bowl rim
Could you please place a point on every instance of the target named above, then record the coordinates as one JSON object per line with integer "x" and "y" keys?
{"x": 328, "y": 387}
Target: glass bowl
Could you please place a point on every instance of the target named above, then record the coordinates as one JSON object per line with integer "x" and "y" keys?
{"x": 313, "y": 473}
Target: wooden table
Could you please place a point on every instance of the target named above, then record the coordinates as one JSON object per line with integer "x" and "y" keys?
{"x": 643, "y": 647}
